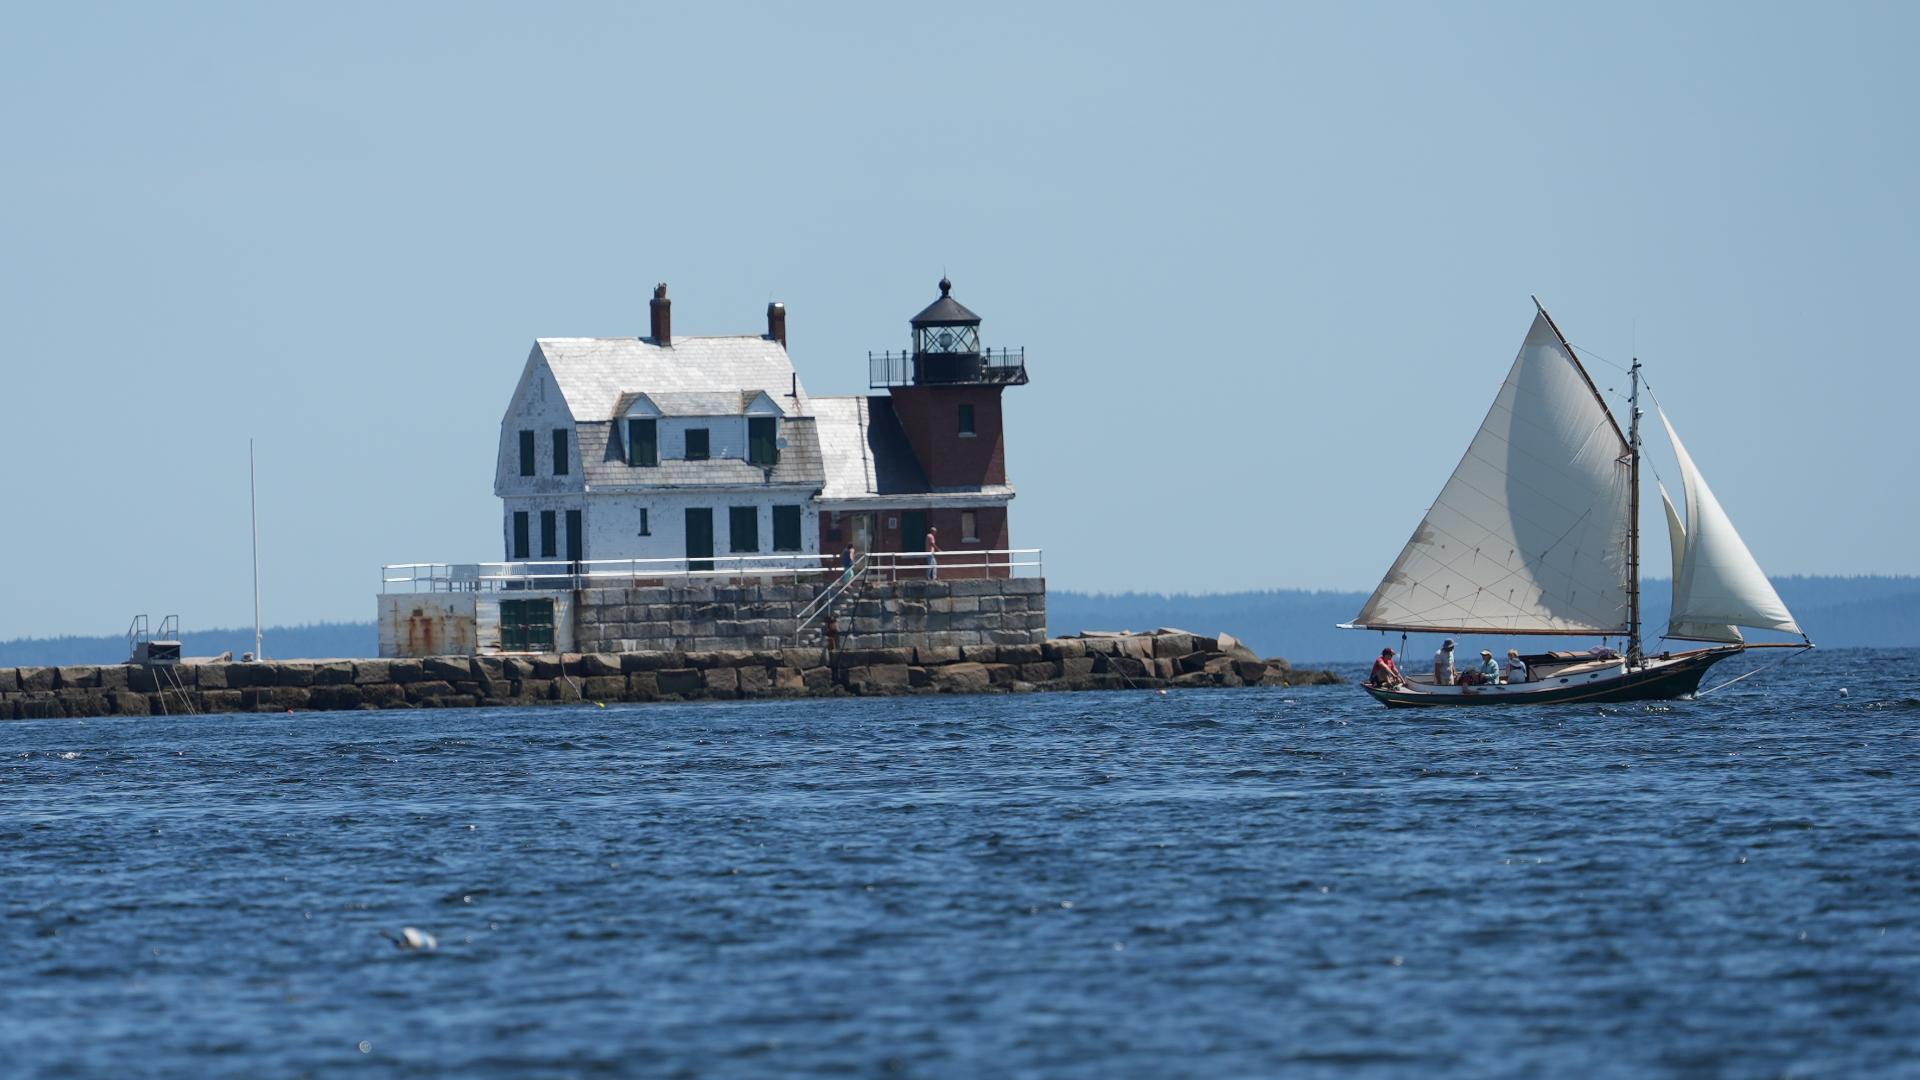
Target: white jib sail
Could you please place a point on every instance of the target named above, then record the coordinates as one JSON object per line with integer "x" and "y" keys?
{"x": 1718, "y": 581}
{"x": 1530, "y": 532}
{"x": 1677, "y": 535}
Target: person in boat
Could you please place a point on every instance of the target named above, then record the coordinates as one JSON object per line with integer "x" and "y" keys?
{"x": 1486, "y": 674}
{"x": 1443, "y": 664}
{"x": 1385, "y": 673}
{"x": 1516, "y": 667}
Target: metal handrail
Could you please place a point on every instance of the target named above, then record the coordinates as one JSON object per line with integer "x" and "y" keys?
{"x": 585, "y": 574}
{"x": 821, "y": 605}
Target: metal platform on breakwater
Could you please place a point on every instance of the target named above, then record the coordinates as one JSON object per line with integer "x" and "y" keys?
{"x": 1089, "y": 662}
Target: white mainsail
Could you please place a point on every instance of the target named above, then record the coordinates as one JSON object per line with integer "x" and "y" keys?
{"x": 1717, "y": 582}
{"x": 1677, "y": 535}
{"x": 1529, "y": 535}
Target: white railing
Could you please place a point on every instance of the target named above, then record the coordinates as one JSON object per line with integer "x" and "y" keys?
{"x": 616, "y": 573}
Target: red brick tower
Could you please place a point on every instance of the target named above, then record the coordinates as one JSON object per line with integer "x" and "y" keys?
{"x": 946, "y": 395}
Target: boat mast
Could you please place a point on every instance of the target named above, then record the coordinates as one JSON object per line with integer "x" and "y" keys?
{"x": 1633, "y": 517}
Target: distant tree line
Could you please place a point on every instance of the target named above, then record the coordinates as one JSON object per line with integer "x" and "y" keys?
{"x": 1839, "y": 612}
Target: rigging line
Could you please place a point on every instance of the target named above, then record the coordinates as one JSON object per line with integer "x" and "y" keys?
{"x": 1584, "y": 351}
{"x": 1752, "y": 673}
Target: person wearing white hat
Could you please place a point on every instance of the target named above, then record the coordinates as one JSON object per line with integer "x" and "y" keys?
{"x": 1489, "y": 668}
{"x": 1516, "y": 667}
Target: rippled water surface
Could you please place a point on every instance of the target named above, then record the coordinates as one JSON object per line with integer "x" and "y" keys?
{"x": 1241, "y": 882}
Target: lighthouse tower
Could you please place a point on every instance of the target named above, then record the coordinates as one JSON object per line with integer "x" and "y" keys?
{"x": 931, "y": 451}
{"x": 950, "y": 405}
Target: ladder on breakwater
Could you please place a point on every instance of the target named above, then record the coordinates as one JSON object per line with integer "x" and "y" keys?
{"x": 159, "y": 655}
{"x": 821, "y": 606}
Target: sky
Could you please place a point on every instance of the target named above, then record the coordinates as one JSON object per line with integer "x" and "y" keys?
{"x": 1269, "y": 263}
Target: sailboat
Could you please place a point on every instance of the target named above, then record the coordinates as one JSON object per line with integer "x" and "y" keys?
{"x": 1537, "y": 533}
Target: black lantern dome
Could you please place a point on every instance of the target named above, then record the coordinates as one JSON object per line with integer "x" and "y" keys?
{"x": 946, "y": 341}
{"x": 946, "y": 351}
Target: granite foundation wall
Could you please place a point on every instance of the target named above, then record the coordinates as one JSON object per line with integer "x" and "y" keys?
{"x": 1093, "y": 662}
{"x": 875, "y": 614}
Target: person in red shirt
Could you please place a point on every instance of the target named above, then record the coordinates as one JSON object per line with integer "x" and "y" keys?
{"x": 1385, "y": 673}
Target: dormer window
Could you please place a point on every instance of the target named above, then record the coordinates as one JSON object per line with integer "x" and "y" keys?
{"x": 761, "y": 446}
{"x": 697, "y": 444}
{"x": 643, "y": 441}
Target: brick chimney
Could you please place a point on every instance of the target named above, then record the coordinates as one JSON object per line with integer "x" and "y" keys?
{"x": 777, "y": 322}
{"x": 662, "y": 316}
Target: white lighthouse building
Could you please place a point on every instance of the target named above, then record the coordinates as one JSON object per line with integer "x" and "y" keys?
{"x": 659, "y": 448}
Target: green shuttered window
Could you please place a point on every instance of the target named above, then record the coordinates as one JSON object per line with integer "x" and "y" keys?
{"x": 743, "y": 528}
{"x": 643, "y": 442}
{"x": 526, "y": 453}
{"x": 786, "y": 528}
{"x": 761, "y": 447}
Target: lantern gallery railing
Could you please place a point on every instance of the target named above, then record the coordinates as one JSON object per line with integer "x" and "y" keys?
{"x": 988, "y": 367}
{"x": 623, "y": 573}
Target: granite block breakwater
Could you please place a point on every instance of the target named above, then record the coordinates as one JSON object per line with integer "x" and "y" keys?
{"x": 1092, "y": 662}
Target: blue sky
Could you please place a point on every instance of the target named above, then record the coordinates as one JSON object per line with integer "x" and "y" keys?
{"x": 1269, "y": 262}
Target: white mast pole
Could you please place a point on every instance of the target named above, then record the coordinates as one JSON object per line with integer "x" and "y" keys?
{"x": 1633, "y": 522}
{"x": 253, "y": 512}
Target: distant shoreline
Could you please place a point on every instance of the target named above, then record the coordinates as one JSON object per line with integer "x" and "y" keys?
{"x": 1839, "y": 612}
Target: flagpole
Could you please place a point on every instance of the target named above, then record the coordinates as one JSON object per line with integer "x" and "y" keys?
{"x": 253, "y": 510}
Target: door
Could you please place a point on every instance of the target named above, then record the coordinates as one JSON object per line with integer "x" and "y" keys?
{"x": 699, "y": 538}
{"x": 913, "y": 537}
{"x": 576, "y": 542}
{"x": 526, "y": 626}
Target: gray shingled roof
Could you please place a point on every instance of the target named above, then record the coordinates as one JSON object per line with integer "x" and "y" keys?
{"x": 594, "y": 373}
{"x": 605, "y": 468}
{"x": 863, "y": 449}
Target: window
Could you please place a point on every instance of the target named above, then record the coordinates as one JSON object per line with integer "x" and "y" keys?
{"x": 643, "y": 442}
{"x": 786, "y": 528}
{"x": 519, "y": 534}
{"x": 697, "y": 444}
{"x": 560, "y": 454}
{"x": 549, "y": 535}
{"x": 526, "y": 453}
{"x": 966, "y": 420}
{"x": 969, "y": 526}
{"x": 644, "y": 530}
{"x": 761, "y": 448}
{"x": 576, "y": 537}
{"x": 743, "y": 528}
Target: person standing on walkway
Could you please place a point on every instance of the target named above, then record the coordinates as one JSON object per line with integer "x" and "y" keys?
{"x": 933, "y": 554}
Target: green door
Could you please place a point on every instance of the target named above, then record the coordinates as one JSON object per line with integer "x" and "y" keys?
{"x": 526, "y": 626}
{"x": 699, "y": 538}
{"x": 913, "y": 530}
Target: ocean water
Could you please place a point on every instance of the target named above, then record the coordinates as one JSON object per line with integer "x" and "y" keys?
{"x": 1219, "y": 883}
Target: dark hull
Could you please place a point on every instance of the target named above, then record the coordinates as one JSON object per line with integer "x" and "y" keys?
{"x": 1660, "y": 680}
